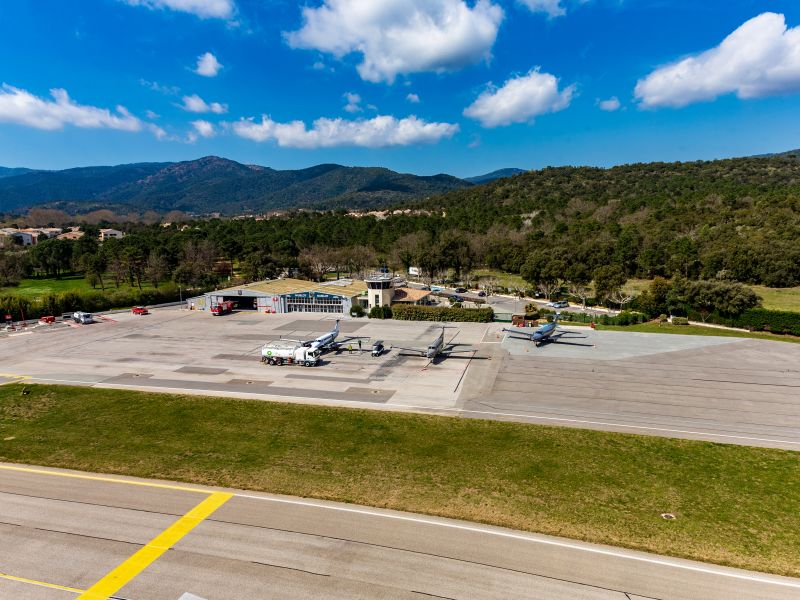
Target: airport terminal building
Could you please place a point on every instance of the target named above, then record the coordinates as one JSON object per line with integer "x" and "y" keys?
{"x": 289, "y": 295}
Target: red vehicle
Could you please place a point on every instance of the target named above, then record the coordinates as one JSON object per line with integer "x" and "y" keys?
{"x": 222, "y": 308}
{"x": 47, "y": 320}
{"x": 140, "y": 310}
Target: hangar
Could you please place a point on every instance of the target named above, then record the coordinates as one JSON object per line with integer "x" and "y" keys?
{"x": 289, "y": 295}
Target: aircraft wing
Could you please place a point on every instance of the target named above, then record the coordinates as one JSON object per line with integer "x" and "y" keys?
{"x": 459, "y": 351}
{"x": 416, "y": 350}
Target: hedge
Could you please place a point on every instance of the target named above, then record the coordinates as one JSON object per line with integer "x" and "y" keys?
{"x": 757, "y": 319}
{"x": 56, "y": 304}
{"x": 775, "y": 321}
{"x": 441, "y": 313}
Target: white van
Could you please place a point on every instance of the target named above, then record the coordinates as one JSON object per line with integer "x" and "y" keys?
{"x": 82, "y": 317}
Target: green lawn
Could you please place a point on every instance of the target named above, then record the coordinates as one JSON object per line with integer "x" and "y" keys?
{"x": 697, "y": 330}
{"x": 40, "y": 286}
{"x": 735, "y": 505}
{"x": 508, "y": 280}
{"x": 779, "y": 298}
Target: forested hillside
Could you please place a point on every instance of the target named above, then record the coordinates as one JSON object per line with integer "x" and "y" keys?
{"x": 215, "y": 185}
{"x": 737, "y": 219}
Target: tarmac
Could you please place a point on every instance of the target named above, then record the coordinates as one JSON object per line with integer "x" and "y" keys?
{"x": 722, "y": 389}
{"x": 68, "y": 534}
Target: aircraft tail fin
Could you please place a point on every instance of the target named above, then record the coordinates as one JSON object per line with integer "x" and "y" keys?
{"x": 336, "y": 327}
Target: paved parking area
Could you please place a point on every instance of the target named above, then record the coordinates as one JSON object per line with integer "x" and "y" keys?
{"x": 728, "y": 390}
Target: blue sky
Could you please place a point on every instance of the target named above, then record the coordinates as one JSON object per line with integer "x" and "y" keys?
{"x": 422, "y": 86}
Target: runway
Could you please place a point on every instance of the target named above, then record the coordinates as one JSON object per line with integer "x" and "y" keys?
{"x": 78, "y": 535}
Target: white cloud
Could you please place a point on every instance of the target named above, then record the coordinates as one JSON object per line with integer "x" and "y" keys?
{"x": 157, "y": 131}
{"x": 609, "y": 105}
{"x": 207, "y": 65}
{"x": 401, "y": 37}
{"x": 195, "y": 104}
{"x": 167, "y": 90}
{"x": 353, "y": 102}
{"x": 205, "y": 9}
{"x": 520, "y": 99}
{"x": 204, "y": 128}
{"x": 380, "y": 131}
{"x": 760, "y": 58}
{"x": 553, "y": 8}
{"x": 152, "y": 115}
{"x": 413, "y": 98}
{"x": 23, "y": 108}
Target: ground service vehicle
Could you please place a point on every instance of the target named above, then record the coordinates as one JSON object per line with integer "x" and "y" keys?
{"x": 377, "y": 348}
{"x": 82, "y": 317}
{"x": 222, "y": 308}
{"x": 282, "y": 352}
{"x": 140, "y": 310}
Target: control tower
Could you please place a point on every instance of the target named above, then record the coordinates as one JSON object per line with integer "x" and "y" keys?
{"x": 380, "y": 289}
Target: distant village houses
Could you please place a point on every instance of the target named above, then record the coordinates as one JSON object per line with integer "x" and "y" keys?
{"x": 74, "y": 233}
{"x": 30, "y": 236}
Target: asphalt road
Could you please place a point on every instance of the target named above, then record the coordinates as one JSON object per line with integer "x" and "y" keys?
{"x": 67, "y": 534}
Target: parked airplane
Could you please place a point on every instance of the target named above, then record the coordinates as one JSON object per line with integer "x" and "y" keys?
{"x": 437, "y": 348}
{"x": 541, "y": 334}
{"x": 326, "y": 341}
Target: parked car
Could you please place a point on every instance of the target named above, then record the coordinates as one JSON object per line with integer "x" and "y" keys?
{"x": 482, "y": 294}
{"x": 558, "y": 304}
{"x": 461, "y": 290}
{"x": 437, "y": 288}
{"x": 455, "y": 298}
{"x": 425, "y": 288}
{"x": 140, "y": 310}
{"x": 82, "y": 317}
{"x": 378, "y": 348}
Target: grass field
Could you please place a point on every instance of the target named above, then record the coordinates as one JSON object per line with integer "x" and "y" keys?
{"x": 507, "y": 280}
{"x": 735, "y": 505}
{"x": 698, "y": 330}
{"x": 37, "y": 287}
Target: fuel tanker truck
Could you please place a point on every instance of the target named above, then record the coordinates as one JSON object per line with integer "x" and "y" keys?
{"x": 283, "y": 352}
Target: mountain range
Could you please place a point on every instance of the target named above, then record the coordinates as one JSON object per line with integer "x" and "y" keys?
{"x": 213, "y": 184}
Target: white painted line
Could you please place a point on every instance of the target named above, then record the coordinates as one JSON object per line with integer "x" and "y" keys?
{"x": 664, "y": 562}
{"x": 604, "y": 423}
{"x": 19, "y": 334}
{"x": 411, "y": 407}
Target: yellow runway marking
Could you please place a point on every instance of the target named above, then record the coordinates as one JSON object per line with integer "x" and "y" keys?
{"x": 124, "y": 573}
{"x": 163, "y": 486}
{"x": 52, "y": 586}
{"x": 14, "y": 378}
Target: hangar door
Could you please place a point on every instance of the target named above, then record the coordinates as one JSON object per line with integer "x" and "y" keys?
{"x": 243, "y": 302}
{"x": 314, "y": 302}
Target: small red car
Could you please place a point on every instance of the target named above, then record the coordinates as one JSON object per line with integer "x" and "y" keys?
{"x": 140, "y": 310}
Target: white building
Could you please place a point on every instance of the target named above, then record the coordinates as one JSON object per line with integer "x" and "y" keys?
{"x": 107, "y": 234}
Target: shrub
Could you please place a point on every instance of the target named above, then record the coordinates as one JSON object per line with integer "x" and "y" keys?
{"x": 680, "y": 321}
{"x": 439, "y": 313}
{"x": 380, "y": 312}
{"x": 357, "y": 311}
